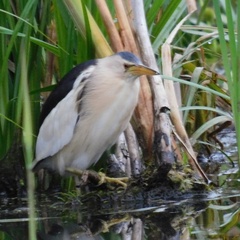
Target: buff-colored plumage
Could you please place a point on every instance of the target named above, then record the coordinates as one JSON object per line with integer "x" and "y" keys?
{"x": 93, "y": 114}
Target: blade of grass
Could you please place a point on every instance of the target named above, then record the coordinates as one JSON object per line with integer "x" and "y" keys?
{"x": 191, "y": 91}
{"x": 167, "y": 22}
{"x": 207, "y": 126}
{"x": 231, "y": 62}
{"x": 75, "y": 8}
{"x": 197, "y": 86}
{"x": 153, "y": 11}
{"x": 27, "y": 132}
{"x": 218, "y": 111}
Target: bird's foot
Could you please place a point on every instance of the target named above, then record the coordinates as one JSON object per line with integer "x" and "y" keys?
{"x": 98, "y": 178}
{"x": 120, "y": 181}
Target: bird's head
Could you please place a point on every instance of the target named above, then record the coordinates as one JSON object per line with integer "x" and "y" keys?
{"x": 127, "y": 66}
{"x": 133, "y": 65}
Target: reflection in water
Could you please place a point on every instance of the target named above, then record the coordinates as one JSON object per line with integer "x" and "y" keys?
{"x": 211, "y": 215}
{"x": 60, "y": 221}
{"x": 203, "y": 216}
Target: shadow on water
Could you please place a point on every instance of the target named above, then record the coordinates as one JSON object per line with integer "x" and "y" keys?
{"x": 211, "y": 215}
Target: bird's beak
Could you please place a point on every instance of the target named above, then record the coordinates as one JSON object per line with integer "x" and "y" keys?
{"x": 139, "y": 70}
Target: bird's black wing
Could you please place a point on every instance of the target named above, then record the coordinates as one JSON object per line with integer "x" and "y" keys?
{"x": 63, "y": 88}
{"x": 60, "y": 113}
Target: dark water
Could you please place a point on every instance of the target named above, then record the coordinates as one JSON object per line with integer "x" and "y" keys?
{"x": 211, "y": 215}
{"x": 214, "y": 216}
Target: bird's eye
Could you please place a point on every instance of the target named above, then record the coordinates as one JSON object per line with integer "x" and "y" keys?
{"x": 127, "y": 66}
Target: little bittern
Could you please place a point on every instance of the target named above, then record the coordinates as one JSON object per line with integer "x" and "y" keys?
{"x": 88, "y": 110}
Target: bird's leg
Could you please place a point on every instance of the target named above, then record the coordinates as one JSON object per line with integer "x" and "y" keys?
{"x": 85, "y": 174}
{"x": 98, "y": 178}
{"x": 120, "y": 181}
{"x": 77, "y": 185}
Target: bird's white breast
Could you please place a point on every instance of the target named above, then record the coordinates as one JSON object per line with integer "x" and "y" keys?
{"x": 107, "y": 111}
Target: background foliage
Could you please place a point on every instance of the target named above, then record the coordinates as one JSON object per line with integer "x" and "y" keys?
{"x": 40, "y": 43}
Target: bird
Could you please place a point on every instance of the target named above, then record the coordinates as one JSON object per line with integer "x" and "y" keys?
{"x": 87, "y": 111}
